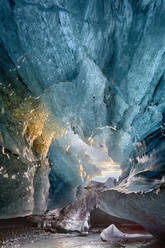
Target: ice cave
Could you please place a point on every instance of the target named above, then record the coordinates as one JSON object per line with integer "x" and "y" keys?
{"x": 82, "y": 123}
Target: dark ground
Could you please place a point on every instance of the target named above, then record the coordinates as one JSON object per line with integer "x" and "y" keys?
{"x": 19, "y": 231}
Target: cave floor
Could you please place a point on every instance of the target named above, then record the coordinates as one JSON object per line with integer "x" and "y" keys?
{"x": 90, "y": 241}
{"x": 41, "y": 239}
{"x": 22, "y": 233}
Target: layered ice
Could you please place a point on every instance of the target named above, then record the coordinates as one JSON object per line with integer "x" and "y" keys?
{"x": 93, "y": 69}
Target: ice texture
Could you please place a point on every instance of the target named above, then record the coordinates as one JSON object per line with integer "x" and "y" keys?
{"x": 93, "y": 69}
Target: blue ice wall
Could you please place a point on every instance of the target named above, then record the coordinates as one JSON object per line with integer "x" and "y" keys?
{"x": 98, "y": 66}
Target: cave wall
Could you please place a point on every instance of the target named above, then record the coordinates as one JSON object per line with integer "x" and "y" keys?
{"x": 95, "y": 67}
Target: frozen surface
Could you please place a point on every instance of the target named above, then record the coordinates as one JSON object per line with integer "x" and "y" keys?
{"x": 113, "y": 235}
{"x": 81, "y": 242}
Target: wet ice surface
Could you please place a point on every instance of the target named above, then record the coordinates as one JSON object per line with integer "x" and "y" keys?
{"x": 90, "y": 241}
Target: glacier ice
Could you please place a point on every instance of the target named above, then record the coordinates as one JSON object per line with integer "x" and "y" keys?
{"x": 93, "y": 69}
{"x": 115, "y": 236}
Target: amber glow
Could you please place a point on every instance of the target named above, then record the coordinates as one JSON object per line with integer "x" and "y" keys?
{"x": 33, "y": 121}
